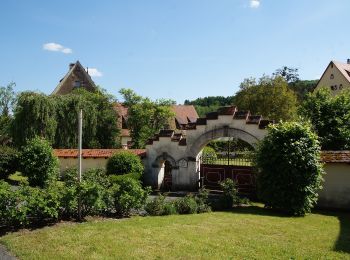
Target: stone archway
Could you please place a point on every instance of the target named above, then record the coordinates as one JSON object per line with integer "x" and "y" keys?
{"x": 184, "y": 147}
{"x": 164, "y": 167}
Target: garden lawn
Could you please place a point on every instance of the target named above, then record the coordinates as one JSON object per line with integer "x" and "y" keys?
{"x": 251, "y": 232}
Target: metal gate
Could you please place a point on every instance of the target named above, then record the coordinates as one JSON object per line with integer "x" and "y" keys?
{"x": 236, "y": 167}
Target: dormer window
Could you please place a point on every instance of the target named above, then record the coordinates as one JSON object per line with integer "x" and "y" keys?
{"x": 77, "y": 84}
{"x": 332, "y": 76}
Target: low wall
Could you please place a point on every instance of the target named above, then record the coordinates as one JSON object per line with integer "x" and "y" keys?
{"x": 87, "y": 163}
{"x": 336, "y": 187}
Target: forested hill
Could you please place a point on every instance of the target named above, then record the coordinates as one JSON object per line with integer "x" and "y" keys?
{"x": 212, "y": 103}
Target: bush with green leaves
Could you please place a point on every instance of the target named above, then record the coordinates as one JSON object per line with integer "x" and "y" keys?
{"x": 160, "y": 207}
{"x": 41, "y": 204}
{"x": 186, "y": 205}
{"x": 93, "y": 191}
{"x": 209, "y": 155}
{"x": 124, "y": 163}
{"x": 8, "y": 161}
{"x": 202, "y": 201}
{"x": 230, "y": 196}
{"x": 289, "y": 168}
{"x": 13, "y": 210}
{"x": 128, "y": 194}
{"x": 330, "y": 117}
{"x": 38, "y": 162}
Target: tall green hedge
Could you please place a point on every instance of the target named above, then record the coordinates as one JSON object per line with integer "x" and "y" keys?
{"x": 124, "y": 163}
{"x": 289, "y": 168}
{"x": 38, "y": 162}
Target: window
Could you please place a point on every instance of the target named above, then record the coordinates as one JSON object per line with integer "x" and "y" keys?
{"x": 340, "y": 86}
{"x": 334, "y": 87}
{"x": 77, "y": 84}
{"x": 332, "y": 76}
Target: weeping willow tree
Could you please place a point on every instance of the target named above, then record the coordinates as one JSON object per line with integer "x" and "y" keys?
{"x": 55, "y": 119}
{"x": 34, "y": 115}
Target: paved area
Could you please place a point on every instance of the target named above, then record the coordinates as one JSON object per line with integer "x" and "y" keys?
{"x": 5, "y": 255}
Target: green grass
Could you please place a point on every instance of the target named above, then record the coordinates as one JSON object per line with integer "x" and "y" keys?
{"x": 246, "y": 233}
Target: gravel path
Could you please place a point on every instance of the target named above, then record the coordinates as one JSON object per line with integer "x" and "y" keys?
{"x": 5, "y": 255}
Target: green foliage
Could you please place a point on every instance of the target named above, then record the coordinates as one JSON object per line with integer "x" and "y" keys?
{"x": 38, "y": 163}
{"x": 93, "y": 191}
{"x": 270, "y": 97}
{"x": 5, "y": 130}
{"x": 99, "y": 120}
{"x": 186, "y": 205}
{"x": 124, "y": 163}
{"x": 330, "y": 117}
{"x": 41, "y": 204}
{"x": 302, "y": 88}
{"x": 230, "y": 196}
{"x": 116, "y": 178}
{"x": 8, "y": 161}
{"x": 128, "y": 194}
{"x": 211, "y": 101}
{"x": 202, "y": 201}
{"x": 160, "y": 207}
{"x": 12, "y": 211}
{"x": 209, "y": 154}
{"x": 288, "y": 74}
{"x": 7, "y": 99}
{"x": 289, "y": 169}
{"x": 39, "y": 115}
{"x": 145, "y": 117}
{"x": 34, "y": 116}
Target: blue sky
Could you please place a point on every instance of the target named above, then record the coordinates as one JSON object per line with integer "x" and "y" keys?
{"x": 178, "y": 49}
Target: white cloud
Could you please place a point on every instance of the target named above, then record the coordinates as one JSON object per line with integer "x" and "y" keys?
{"x": 254, "y": 3}
{"x": 93, "y": 72}
{"x": 51, "y": 46}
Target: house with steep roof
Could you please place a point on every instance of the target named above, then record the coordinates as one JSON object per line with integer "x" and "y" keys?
{"x": 336, "y": 77}
{"x": 76, "y": 77}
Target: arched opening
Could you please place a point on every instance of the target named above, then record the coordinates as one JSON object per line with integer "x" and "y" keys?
{"x": 226, "y": 154}
{"x": 167, "y": 182}
{"x": 164, "y": 166}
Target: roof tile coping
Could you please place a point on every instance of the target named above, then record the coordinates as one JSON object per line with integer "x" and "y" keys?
{"x": 212, "y": 116}
{"x": 241, "y": 114}
{"x": 96, "y": 153}
{"x": 227, "y": 110}
{"x": 166, "y": 133}
{"x": 335, "y": 156}
{"x": 254, "y": 119}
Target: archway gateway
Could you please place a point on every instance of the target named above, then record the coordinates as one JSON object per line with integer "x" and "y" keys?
{"x": 183, "y": 150}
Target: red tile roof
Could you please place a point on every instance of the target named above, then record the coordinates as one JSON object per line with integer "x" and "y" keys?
{"x": 335, "y": 156}
{"x": 184, "y": 113}
{"x": 96, "y": 153}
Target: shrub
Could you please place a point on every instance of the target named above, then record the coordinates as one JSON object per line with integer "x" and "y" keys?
{"x": 159, "y": 207}
{"x": 8, "y": 161}
{"x": 186, "y": 205}
{"x": 38, "y": 162}
{"x": 41, "y": 204}
{"x": 289, "y": 168}
{"x": 70, "y": 175}
{"x": 209, "y": 155}
{"x": 156, "y": 206}
{"x": 230, "y": 193}
{"x": 202, "y": 201}
{"x": 116, "y": 178}
{"x": 13, "y": 211}
{"x": 124, "y": 163}
{"x": 128, "y": 194}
